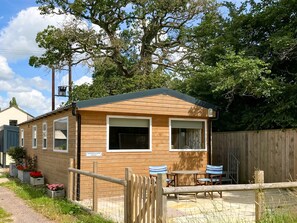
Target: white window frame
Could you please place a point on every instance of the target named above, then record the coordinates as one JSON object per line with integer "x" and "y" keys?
{"x": 34, "y": 136}
{"x": 58, "y": 150}
{"x": 128, "y": 150}
{"x": 22, "y": 142}
{"x": 189, "y": 150}
{"x": 44, "y": 135}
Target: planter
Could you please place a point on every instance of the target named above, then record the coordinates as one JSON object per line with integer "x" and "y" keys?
{"x": 37, "y": 181}
{"x": 13, "y": 171}
{"x": 24, "y": 176}
{"x": 56, "y": 194}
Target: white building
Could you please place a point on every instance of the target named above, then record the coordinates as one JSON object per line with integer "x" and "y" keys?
{"x": 9, "y": 132}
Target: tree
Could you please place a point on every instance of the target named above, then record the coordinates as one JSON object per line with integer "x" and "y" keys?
{"x": 13, "y": 103}
{"x": 227, "y": 50}
{"x": 138, "y": 36}
{"x": 107, "y": 80}
{"x": 60, "y": 49}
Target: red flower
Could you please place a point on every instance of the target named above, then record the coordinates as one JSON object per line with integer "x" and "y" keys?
{"x": 55, "y": 187}
{"x": 35, "y": 174}
{"x": 20, "y": 167}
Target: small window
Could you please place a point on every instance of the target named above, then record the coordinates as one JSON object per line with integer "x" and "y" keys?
{"x": 187, "y": 135}
{"x": 61, "y": 135}
{"x": 22, "y": 138}
{"x": 13, "y": 122}
{"x": 44, "y": 135}
{"x": 128, "y": 133}
{"x": 34, "y": 136}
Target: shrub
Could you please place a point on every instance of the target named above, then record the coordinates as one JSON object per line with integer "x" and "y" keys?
{"x": 17, "y": 154}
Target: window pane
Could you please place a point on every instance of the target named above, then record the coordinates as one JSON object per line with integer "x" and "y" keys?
{"x": 128, "y": 138}
{"x": 185, "y": 137}
{"x": 60, "y": 134}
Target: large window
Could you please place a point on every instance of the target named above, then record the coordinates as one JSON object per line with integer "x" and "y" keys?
{"x": 187, "y": 134}
{"x": 44, "y": 135}
{"x": 61, "y": 135}
{"x": 22, "y": 138}
{"x": 128, "y": 133}
{"x": 34, "y": 136}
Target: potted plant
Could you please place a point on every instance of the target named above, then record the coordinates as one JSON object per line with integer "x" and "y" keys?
{"x": 36, "y": 178}
{"x": 23, "y": 173}
{"x": 55, "y": 190}
{"x": 25, "y": 169}
{"x": 17, "y": 154}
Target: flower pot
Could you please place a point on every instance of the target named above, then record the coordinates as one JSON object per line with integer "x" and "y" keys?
{"x": 36, "y": 181}
{"x": 56, "y": 194}
{"x": 24, "y": 176}
{"x": 13, "y": 171}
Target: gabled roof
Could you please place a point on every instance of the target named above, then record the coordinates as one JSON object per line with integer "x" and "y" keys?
{"x": 17, "y": 109}
{"x": 141, "y": 94}
{"x": 129, "y": 96}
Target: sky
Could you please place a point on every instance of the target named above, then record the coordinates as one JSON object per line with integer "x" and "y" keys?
{"x": 20, "y": 21}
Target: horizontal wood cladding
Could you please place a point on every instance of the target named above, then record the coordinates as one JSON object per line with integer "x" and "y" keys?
{"x": 159, "y": 104}
{"x": 93, "y": 139}
{"x": 52, "y": 164}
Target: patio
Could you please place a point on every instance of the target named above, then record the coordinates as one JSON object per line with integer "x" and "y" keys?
{"x": 235, "y": 206}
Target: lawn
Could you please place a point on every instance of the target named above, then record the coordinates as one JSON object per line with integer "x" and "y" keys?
{"x": 4, "y": 216}
{"x": 59, "y": 210}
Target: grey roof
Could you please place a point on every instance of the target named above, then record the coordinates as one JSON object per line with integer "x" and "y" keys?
{"x": 141, "y": 94}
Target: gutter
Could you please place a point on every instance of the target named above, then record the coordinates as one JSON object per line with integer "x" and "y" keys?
{"x": 78, "y": 150}
{"x": 210, "y": 135}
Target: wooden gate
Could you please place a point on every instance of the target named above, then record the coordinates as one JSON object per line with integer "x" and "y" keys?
{"x": 143, "y": 199}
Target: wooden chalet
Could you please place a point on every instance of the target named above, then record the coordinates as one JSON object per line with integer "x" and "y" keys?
{"x": 153, "y": 127}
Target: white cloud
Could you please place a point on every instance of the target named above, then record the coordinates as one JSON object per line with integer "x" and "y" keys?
{"x": 40, "y": 84}
{"x": 32, "y": 100}
{"x": 83, "y": 80}
{"x": 5, "y": 71}
{"x": 17, "y": 40}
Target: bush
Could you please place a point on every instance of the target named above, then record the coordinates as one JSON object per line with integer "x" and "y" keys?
{"x": 17, "y": 154}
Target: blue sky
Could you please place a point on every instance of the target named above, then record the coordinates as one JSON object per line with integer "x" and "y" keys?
{"x": 20, "y": 21}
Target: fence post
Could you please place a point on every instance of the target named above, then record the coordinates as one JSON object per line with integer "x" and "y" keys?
{"x": 161, "y": 200}
{"x": 259, "y": 199}
{"x": 128, "y": 206}
{"x": 70, "y": 180}
{"x": 95, "y": 195}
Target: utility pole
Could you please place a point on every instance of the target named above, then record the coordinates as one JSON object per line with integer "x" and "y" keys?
{"x": 53, "y": 88}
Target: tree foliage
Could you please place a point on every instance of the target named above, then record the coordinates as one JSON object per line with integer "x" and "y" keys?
{"x": 137, "y": 36}
{"x": 13, "y": 103}
{"x": 246, "y": 63}
{"x": 107, "y": 80}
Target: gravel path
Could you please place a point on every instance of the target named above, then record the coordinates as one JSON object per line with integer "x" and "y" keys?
{"x": 21, "y": 212}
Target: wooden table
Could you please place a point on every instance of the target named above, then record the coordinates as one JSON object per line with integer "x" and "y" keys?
{"x": 186, "y": 172}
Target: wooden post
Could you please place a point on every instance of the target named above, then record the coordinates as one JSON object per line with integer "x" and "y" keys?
{"x": 259, "y": 199}
{"x": 128, "y": 206}
{"x": 95, "y": 195}
{"x": 70, "y": 180}
{"x": 161, "y": 200}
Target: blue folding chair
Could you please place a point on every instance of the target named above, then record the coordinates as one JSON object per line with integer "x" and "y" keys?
{"x": 155, "y": 170}
{"x": 213, "y": 176}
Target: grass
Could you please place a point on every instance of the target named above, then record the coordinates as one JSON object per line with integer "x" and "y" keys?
{"x": 59, "y": 210}
{"x": 280, "y": 217}
{"x": 4, "y": 216}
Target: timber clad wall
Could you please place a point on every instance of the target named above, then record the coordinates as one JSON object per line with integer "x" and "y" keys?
{"x": 273, "y": 151}
{"x": 113, "y": 164}
{"x": 160, "y": 108}
{"x": 52, "y": 164}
